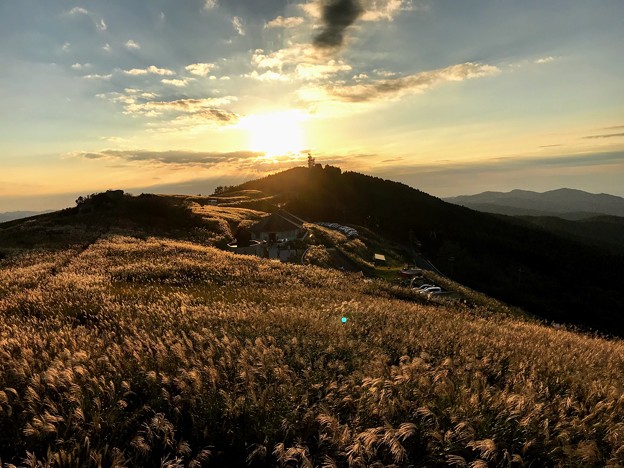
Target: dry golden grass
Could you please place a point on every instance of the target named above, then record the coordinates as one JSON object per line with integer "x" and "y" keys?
{"x": 319, "y": 256}
{"x": 159, "y": 352}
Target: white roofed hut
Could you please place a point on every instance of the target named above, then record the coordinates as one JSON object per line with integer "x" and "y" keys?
{"x": 277, "y": 226}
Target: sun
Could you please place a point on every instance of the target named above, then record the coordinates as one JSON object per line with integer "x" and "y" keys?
{"x": 275, "y": 134}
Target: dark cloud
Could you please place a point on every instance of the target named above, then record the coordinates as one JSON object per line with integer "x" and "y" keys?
{"x": 610, "y": 135}
{"x": 173, "y": 157}
{"x": 337, "y": 16}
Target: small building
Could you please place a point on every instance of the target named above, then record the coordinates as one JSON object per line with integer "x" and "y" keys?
{"x": 277, "y": 226}
{"x": 380, "y": 260}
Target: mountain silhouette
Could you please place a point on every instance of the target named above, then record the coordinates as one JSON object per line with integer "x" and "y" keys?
{"x": 549, "y": 275}
{"x": 565, "y": 202}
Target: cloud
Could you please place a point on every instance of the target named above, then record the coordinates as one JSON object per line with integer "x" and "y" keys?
{"x": 131, "y": 45}
{"x": 337, "y": 16}
{"x": 200, "y": 69}
{"x": 210, "y": 4}
{"x": 267, "y": 76}
{"x": 610, "y": 135}
{"x": 505, "y": 164}
{"x": 237, "y": 24}
{"x": 184, "y": 158}
{"x": 384, "y": 73}
{"x": 306, "y": 71}
{"x": 153, "y": 70}
{"x": 65, "y": 47}
{"x": 377, "y": 10}
{"x": 179, "y": 83}
{"x": 80, "y": 66}
{"x": 389, "y": 89}
{"x": 98, "y": 77}
{"x": 191, "y": 105}
{"x": 281, "y": 22}
{"x": 544, "y": 60}
{"x": 297, "y": 62}
{"x": 107, "y": 47}
{"x": 78, "y": 11}
{"x": 199, "y": 110}
{"x": 313, "y": 9}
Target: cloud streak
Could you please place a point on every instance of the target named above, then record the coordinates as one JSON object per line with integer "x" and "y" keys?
{"x": 153, "y": 70}
{"x": 198, "y": 110}
{"x": 282, "y": 22}
{"x": 378, "y": 10}
{"x": 185, "y": 158}
{"x": 389, "y": 89}
{"x": 78, "y": 11}
{"x": 609, "y": 135}
{"x": 178, "y": 83}
{"x": 237, "y": 24}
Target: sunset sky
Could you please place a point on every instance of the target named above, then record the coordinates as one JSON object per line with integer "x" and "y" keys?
{"x": 449, "y": 96}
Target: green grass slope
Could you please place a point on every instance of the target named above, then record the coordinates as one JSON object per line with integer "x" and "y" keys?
{"x": 161, "y": 352}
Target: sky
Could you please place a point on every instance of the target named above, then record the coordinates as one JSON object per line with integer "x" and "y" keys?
{"x": 448, "y": 96}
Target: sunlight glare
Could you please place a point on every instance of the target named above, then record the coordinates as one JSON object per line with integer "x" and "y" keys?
{"x": 275, "y": 134}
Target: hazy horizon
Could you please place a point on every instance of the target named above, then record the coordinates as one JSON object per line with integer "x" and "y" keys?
{"x": 450, "y": 98}
{"x": 65, "y": 200}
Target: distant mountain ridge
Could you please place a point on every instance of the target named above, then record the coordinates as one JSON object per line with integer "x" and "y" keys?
{"x": 566, "y": 203}
{"x": 12, "y": 215}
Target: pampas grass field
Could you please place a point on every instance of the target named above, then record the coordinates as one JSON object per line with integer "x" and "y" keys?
{"x": 155, "y": 352}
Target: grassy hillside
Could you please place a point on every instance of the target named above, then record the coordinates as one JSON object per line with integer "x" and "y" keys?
{"x": 113, "y": 212}
{"x": 151, "y": 352}
{"x": 547, "y": 274}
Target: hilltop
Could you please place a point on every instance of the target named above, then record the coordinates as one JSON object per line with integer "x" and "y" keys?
{"x": 549, "y": 275}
